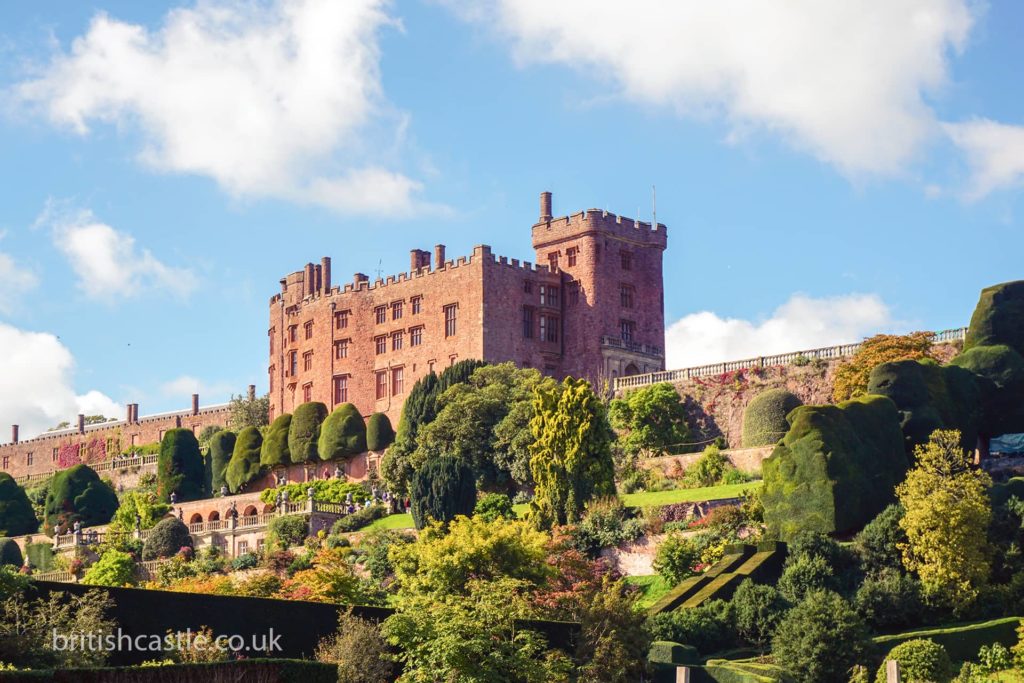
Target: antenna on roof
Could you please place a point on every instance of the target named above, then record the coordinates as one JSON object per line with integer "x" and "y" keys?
{"x": 380, "y": 271}
{"x": 654, "y": 207}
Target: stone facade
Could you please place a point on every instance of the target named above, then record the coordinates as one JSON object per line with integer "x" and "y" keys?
{"x": 594, "y": 308}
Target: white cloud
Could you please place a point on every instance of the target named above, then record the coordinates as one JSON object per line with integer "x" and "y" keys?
{"x": 995, "y": 154}
{"x": 266, "y": 98}
{"x": 37, "y": 392}
{"x": 186, "y": 385}
{"x": 15, "y": 281}
{"x": 801, "y": 323}
{"x": 845, "y": 81}
{"x": 108, "y": 263}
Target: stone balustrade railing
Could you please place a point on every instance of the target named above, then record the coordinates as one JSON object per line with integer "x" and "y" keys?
{"x": 793, "y": 358}
{"x": 105, "y": 466}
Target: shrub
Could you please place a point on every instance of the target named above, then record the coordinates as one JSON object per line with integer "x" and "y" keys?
{"x": 379, "y": 433}
{"x": 114, "y": 568}
{"x": 757, "y": 610}
{"x": 285, "y": 532}
{"x": 676, "y": 557}
{"x": 851, "y": 377}
{"x": 920, "y": 660}
{"x": 342, "y": 433}
{"x": 78, "y": 494}
{"x": 666, "y": 652}
{"x": 304, "y": 431}
{"x": 442, "y": 489}
{"x": 998, "y": 318}
{"x": 247, "y": 560}
{"x": 377, "y": 545}
{"x": 358, "y": 519}
{"x": 245, "y": 466}
{"x": 180, "y": 466}
{"x": 16, "y": 514}
{"x": 605, "y": 524}
{"x": 877, "y": 544}
{"x": 359, "y": 650}
{"x": 275, "y": 444}
{"x": 10, "y": 553}
{"x": 492, "y": 506}
{"x": 764, "y": 419}
{"x": 709, "y": 628}
{"x": 324, "y": 491}
{"x": 820, "y": 639}
{"x": 835, "y": 469}
{"x": 804, "y": 574}
{"x": 166, "y": 539}
{"x": 222, "y": 445}
{"x": 890, "y": 600}
{"x": 708, "y": 469}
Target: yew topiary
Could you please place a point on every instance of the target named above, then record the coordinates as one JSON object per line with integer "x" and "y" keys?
{"x": 304, "y": 431}
{"x": 16, "y": 514}
{"x": 180, "y": 467}
{"x": 77, "y": 494}
{"x": 379, "y": 434}
{"x": 244, "y": 466}
{"x": 998, "y": 318}
{"x": 342, "y": 434}
{"x": 920, "y": 660}
{"x": 166, "y": 539}
{"x": 999, "y": 370}
{"x": 764, "y": 419}
{"x": 10, "y": 553}
{"x": 222, "y": 445}
{"x": 442, "y": 489}
{"x": 275, "y": 443}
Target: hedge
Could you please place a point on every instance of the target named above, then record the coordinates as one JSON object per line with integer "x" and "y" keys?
{"x": 358, "y": 519}
{"x": 441, "y": 489}
{"x": 244, "y": 466}
{"x": 304, "y": 431}
{"x": 379, "y": 433}
{"x": 999, "y": 317}
{"x": 166, "y": 539}
{"x": 764, "y": 418}
{"x": 16, "y": 514}
{"x": 999, "y": 370}
{"x": 40, "y": 556}
{"x": 180, "y": 467}
{"x": 10, "y": 553}
{"x": 667, "y": 652}
{"x": 222, "y": 445}
{"x": 275, "y": 442}
{"x": 78, "y": 494}
{"x": 268, "y": 670}
{"x": 961, "y": 641}
{"x": 835, "y": 469}
{"x": 1003, "y": 491}
{"x": 342, "y": 434}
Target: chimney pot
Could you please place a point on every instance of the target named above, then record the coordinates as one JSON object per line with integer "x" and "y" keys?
{"x": 310, "y": 277}
{"x": 545, "y": 206}
{"x": 195, "y": 404}
{"x": 81, "y": 423}
{"x": 252, "y": 392}
{"x": 325, "y": 270}
{"x": 438, "y": 257}
{"x": 14, "y": 433}
{"x": 128, "y": 414}
{"x": 359, "y": 277}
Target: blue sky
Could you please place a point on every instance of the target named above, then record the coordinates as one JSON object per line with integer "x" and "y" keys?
{"x": 827, "y": 171}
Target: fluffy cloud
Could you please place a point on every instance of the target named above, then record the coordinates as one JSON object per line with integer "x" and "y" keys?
{"x": 108, "y": 263}
{"x": 15, "y": 281}
{"x": 263, "y": 97}
{"x": 995, "y": 154}
{"x": 186, "y": 385}
{"x": 801, "y": 323}
{"x": 845, "y": 81}
{"x": 37, "y": 392}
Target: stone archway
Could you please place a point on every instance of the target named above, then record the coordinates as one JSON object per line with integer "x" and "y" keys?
{"x": 214, "y": 516}
{"x": 250, "y": 511}
{"x": 631, "y": 369}
{"x": 196, "y": 518}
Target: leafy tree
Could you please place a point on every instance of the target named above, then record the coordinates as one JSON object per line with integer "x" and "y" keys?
{"x": 442, "y": 489}
{"x": 17, "y": 516}
{"x": 851, "y": 377}
{"x": 222, "y": 445}
{"x": 890, "y": 600}
{"x": 10, "y": 553}
{"x": 285, "y": 532}
{"x": 947, "y": 514}
{"x": 275, "y": 445}
{"x": 571, "y": 457}
{"x": 379, "y": 433}
{"x": 342, "y": 434}
{"x": 651, "y": 420}
{"x": 494, "y": 506}
{"x": 676, "y": 557}
{"x": 764, "y": 418}
{"x": 615, "y": 640}
{"x": 180, "y": 467}
{"x": 820, "y": 639}
{"x": 878, "y": 543}
{"x": 757, "y": 609}
{"x": 141, "y": 503}
{"x": 244, "y": 466}
{"x": 709, "y": 628}
{"x": 114, "y": 568}
{"x": 77, "y": 494}
{"x": 803, "y": 574}
{"x": 304, "y": 431}
{"x": 920, "y": 660}
{"x": 248, "y": 412}
{"x": 166, "y": 539}
{"x": 359, "y": 650}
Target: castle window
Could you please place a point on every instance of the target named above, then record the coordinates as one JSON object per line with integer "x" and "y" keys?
{"x": 573, "y": 292}
{"x": 527, "y": 287}
{"x": 449, "y": 320}
{"x": 549, "y": 296}
{"x": 397, "y": 381}
{"x": 7, "y": 462}
{"x": 28, "y": 459}
{"x": 549, "y": 328}
{"x": 341, "y": 319}
{"x": 381, "y": 344}
{"x": 396, "y": 340}
{"x": 527, "y": 322}
{"x": 553, "y": 260}
{"x": 292, "y": 333}
{"x": 627, "y": 260}
{"x": 341, "y": 389}
{"x": 307, "y": 392}
{"x": 417, "y": 304}
{"x": 341, "y": 348}
{"x": 628, "y": 328}
{"x": 55, "y": 455}
{"x": 270, "y": 374}
{"x": 382, "y": 384}
{"x": 381, "y": 314}
{"x": 396, "y": 310}
{"x": 307, "y": 361}
{"x": 571, "y": 254}
{"x": 626, "y": 296}
{"x": 416, "y": 336}
{"x": 309, "y": 329}
{"x": 270, "y": 334}
{"x": 293, "y": 363}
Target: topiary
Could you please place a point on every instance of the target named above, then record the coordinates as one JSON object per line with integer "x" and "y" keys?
{"x": 342, "y": 434}
{"x": 442, "y": 489}
{"x": 304, "y": 431}
{"x": 835, "y": 469}
{"x": 17, "y": 516}
{"x": 166, "y": 539}
{"x": 998, "y": 318}
{"x": 379, "y": 434}
{"x": 764, "y": 419}
{"x": 921, "y": 661}
{"x": 677, "y": 654}
{"x": 275, "y": 443}
{"x": 222, "y": 445}
{"x": 244, "y": 466}
{"x": 999, "y": 370}
{"x": 10, "y": 553}
{"x": 77, "y": 494}
{"x": 180, "y": 468}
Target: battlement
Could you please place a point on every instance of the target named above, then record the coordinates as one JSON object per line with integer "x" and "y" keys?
{"x": 549, "y": 230}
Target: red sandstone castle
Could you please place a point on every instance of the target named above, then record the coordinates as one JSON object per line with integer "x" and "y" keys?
{"x": 593, "y": 308}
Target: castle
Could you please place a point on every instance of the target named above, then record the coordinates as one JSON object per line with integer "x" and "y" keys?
{"x": 593, "y": 307}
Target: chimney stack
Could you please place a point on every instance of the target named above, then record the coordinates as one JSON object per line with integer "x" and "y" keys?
{"x": 14, "y": 433}
{"x": 359, "y": 277}
{"x": 325, "y": 270}
{"x": 252, "y": 392}
{"x": 128, "y": 414}
{"x": 418, "y": 259}
{"x": 177, "y": 421}
{"x": 310, "y": 277}
{"x": 135, "y": 413}
{"x": 318, "y": 286}
{"x": 438, "y": 257}
{"x": 81, "y": 423}
{"x": 545, "y": 207}
{"x": 195, "y": 404}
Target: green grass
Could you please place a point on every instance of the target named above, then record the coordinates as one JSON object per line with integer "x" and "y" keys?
{"x": 404, "y": 521}
{"x": 656, "y": 498}
{"x": 653, "y": 587}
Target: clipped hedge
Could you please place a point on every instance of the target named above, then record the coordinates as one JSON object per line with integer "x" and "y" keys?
{"x": 40, "y": 556}
{"x": 180, "y": 467}
{"x": 275, "y": 443}
{"x": 764, "y": 418}
{"x": 10, "y": 553}
{"x": 998, "y": 318}
{"x": 16, "y": 514}
{"x": 304, "y": 431}
{"x": 342, "y": 434}
{"x": 667, "y": 652}
{"x": 166, "y": 539}
{"x": 359, "y": 519}
{"x": 222, "y": 445}
{"x": 244, "y": 466}
{"x": 961, "y": 641}
{"x": 78, "y": 494}
{"x": 835, "y": 469}
{"x": 379, "y": 433}
{"x": 999, "y": 370}
{"x": 276, "y": 670}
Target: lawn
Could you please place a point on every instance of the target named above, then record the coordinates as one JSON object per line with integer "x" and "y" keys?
{"x": 656, "y": 498}
{"x": 653, "y": 587}
{"x": 404, "y": 521}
